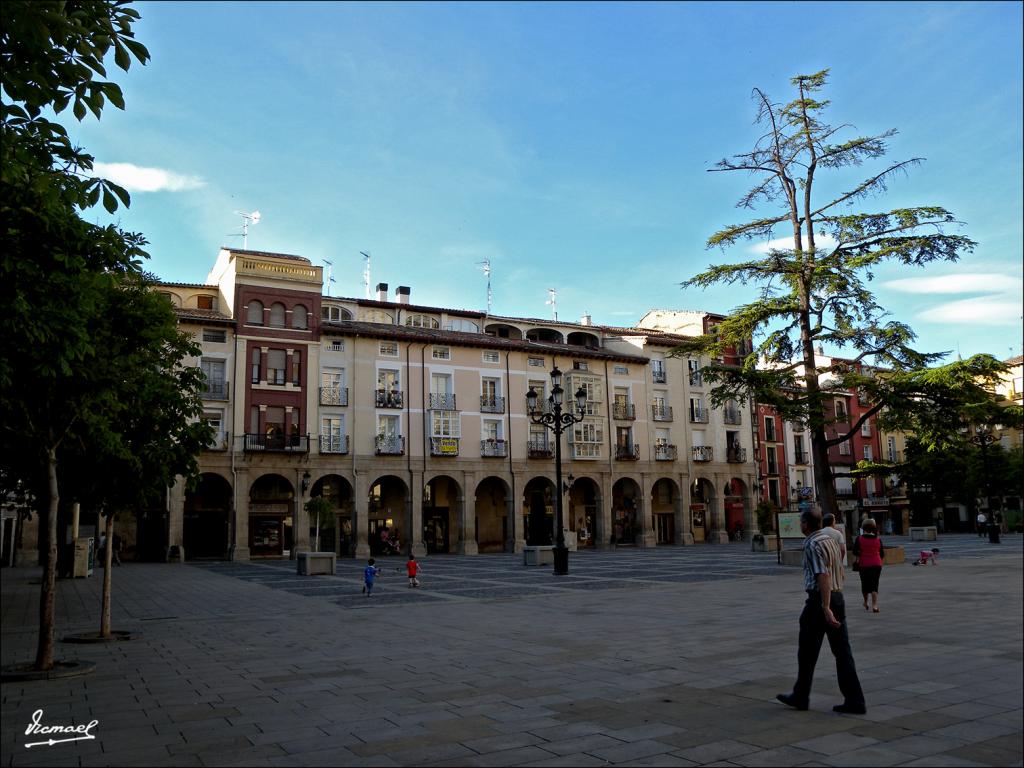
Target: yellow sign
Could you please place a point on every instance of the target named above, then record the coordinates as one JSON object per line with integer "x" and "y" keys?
{"x": 448, "y": 446}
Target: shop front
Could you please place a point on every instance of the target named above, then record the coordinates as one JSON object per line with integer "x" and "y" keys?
{"x": 270, "y": 530}
{"x": 698, "y": 522}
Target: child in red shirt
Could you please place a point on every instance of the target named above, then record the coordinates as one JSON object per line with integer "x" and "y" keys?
{"x": 412, "y": 568}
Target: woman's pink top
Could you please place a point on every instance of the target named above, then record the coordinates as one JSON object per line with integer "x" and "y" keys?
{"x": 870, "y": 551}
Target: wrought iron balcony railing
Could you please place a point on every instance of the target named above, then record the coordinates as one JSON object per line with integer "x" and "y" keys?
{"x": 392, "y": 399}
{"x": 333, "y": 395}
{"x": 624, "y": 411}
{"x": 276, "y": 443}
{"x": 732, "y": 416}
{"x": 703, "y": 453}
{"x": 492, "y": 404}
{"x": 539, "y": 449}
{"x": 627, "y": 452}
{"x": 496, "y": 449}
{"x": 800, "y": 457}
{"x": 333, "y": 443}
{"x": 661, "y": 412}
{"x": 736, "y": 455}
{"x": 214, "y": 390}
{"x": 658, "y": 375}
{"x": 665, "y": 452}
{"x": 699, "y": 415}
{"x": 442, "y": 401}
{"x": 444, "y": 446}
{"x": 386, "y": 445}
{"x": 696, "y": 380}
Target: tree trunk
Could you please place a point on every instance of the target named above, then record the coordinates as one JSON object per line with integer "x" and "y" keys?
{"x": 44, "y": 649}
{"x": 108, "y": 558}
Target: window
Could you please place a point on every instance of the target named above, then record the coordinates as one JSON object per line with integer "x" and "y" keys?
{"x": 297, "y": 369}
{"x": 536, "y": 362}
{"x": 332, "y": 428}
{"x": 658, "y": 371}
{"x": 441, "y": 353}
{"x": 462, "y": 325}
{"x": 389, "y": 349}
{"x": 589, "y": 385}
{"x": 215, "y": 337}
{"x": 213, "y": 371}
{"x": 891, "y": 444}
{"x": 865, "y": 429}
{"x": 440, "y": 384}
{"x": 769, "y": 428}
{"x": 580, "y": 365}
{"x": 621, "y": 370}
{"x": 869, "y": 455}
{"x": 256, "y": 361}
{"x": 337, "y": 345}
{"x": 445, "y": 423}
{"x": 299, "y": 320}
{"x": 387, "y": 426}
{"x": 489, "y": 388}
{"x": 773, "y": 461}
{"x": 491, "y": 429}
{"x": 254, "y": 313}
{"x": 696, "y": 379}
{"x": 844, "y": 448}
{"x": 697, "y": 411}
{"x": 332, "y": 379}
{"x": 840, "y": 407}
{"x": 587, "y": 439}
{"x": 206, "y": 302}
{"x": 773, "y": 491}
{"x": 274, "y": 424}
{"x": 277, "y": 315}
{"x": 491, "y": 356}
{"x": 334, "y": 314}
{"x": 275, "y": 366}
{"x": 422, "y": 321}
{"x": 844, "y": 486}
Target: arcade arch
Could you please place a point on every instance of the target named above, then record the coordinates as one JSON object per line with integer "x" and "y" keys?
{"x": 491, "y": 510}
{"x": 442, "y": 514}
{"x": 338, "y": 536}
{"x": 207, "y": 515}
{"x": 627, "y": 517}
{"x": 387, "y": 514}
{"x": 702, "y": 509}
{"x": 539, "y": 512}
{"x": 271, "y": 505}
{"x": 665, "y": 506}
{"x": 582, "y": 513}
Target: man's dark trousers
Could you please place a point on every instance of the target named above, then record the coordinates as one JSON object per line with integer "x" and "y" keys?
{"x": 813, "y": 629}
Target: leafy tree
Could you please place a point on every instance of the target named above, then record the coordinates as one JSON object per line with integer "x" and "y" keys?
{"x": 815, "y": 291}
{"x": 321, "y": 512}
{"x": 55, "y": 268}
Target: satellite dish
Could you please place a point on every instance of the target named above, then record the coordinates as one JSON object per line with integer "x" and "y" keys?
{"x": 255, "y": 217}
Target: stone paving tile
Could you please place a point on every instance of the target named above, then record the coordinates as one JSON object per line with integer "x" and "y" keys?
{"x": 717, "y": 750}
{"x": 868, "y": 756}
{"x": 659, "y": 760}
{"x": 511, "y": 757}
{"x": 972, "y": 731}
{"x": 632, "y": 751}
{"x": 568, "y": 761}
{"x": 941, "y": 761}
{"x": 781, "y": 756}
{"x": 589, "y": 743}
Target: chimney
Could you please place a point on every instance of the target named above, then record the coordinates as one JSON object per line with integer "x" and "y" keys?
{"x": 585, "y": 320}
{"x": 382, "y": 291}
{"x": 402, "y": 294}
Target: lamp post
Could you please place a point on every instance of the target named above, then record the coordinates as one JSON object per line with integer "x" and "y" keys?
{"x": 556, "y": 420}
{"x": 983, "y": 438}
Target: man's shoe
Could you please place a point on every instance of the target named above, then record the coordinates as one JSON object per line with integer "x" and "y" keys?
{"x": 791, "y": 701}
{"x": 850, "y": 709}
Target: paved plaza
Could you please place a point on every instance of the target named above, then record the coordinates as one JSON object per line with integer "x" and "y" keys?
{"x": 668, "y": 656}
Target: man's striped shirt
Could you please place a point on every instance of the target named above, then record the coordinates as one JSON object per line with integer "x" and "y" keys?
{"x": 821, "y": 555}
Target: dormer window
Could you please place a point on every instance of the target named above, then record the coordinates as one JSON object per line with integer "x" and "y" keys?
{"x": 254, "y": 314}
{"x": 422, "y": 321}
{"x": 277, "y": 315}
{"x": 206, "y": 302}
{"x": 299, "y": 320}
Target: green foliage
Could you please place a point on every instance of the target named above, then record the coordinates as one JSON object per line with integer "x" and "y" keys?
{"x": 765, "y": 513}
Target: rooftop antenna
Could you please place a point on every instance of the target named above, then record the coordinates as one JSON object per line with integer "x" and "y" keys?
{"x": 330, "y": 274}
{"x": 254, "y": 217}
{"x": 552, "y": 300}
{"x": 485, "y": 267}
{"x": 366, "y": 273}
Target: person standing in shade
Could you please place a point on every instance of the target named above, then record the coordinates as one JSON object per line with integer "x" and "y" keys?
{"x": 981, "y": 523}
{"x": 870, "y": 554}
{"x": 824, "y": 614}
{"x": 828, "y": 525}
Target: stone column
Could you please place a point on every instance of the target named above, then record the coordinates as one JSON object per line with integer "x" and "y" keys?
{"x": 176, "y": 517}
{"x": 684, "y": 516}
{"x": 649, "y": 537}
{"x": 361, "y": 516}
{"x": 415, "y": 504}
{"x": 240, "y": 539}
{"x": 300, "y": 530}
{"x": 717, "y": 503}
{"x": 466, "y": 514}
{"x": 604, "y": 513}
{"x": 516, "y": 532}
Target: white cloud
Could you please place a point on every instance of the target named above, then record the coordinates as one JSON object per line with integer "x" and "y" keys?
{"x": 984, "y": 310}
{"x": 135, "y": 178}
{"x": 962, "y": 283}
{"x": 821, "y": 240}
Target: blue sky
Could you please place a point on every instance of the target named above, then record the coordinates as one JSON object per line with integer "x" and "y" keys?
{"x": 567, "y": 143}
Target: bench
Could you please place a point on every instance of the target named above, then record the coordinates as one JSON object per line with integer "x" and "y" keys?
{"x": 539, "y": 555}
{"x": 316, "y": 563}
{"x": 923, "y": 533}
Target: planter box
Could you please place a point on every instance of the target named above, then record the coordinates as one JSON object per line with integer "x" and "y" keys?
{"x": 891, "y": 556}
{"x": 769, "y": 543}
{"x": 539, "y": 555}
{"x": 924, "y": 533}
{"x": 316, "y": 563}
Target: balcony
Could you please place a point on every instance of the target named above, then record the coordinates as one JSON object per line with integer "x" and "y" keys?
{"x": 664, "y": 452}
{"x": 214, "y": 390}
{"x": 539, "y": 449}
{"x": 627, "y": 452}
{"x": 221, "y": 442}
{"x": 732, "y": 416}
{"x": 333, "y": 395}
{"x": 490, "y": 404}
{"x": 699, "y": 415}
{"x": 800, "y": 457}
{"x": 624, "y": 411}
{"x": 389, "y": 445}
{"x": 493, "y": 449}
{"x": 658, "y": 375}
{"x": 696, "y": 380}
{"x": 703, "y": 453}
{"x": 333, "y": 443}
{"x": 444, "y": 446}
{"x": 442, "y": 401}
{"x": 736, "y": 455}
{"x": 661, "y": 412}
{"x": 392, "y": 399}
{"x": 276, "y": 443}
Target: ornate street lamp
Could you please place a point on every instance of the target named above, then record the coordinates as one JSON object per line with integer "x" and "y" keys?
{"x": 556, "y": 420}
{"x": 983, "y": 438}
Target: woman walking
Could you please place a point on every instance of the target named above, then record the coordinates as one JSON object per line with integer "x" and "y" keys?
{"x": 868, "y": 549}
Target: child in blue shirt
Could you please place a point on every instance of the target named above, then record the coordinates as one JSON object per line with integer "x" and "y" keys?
{"x": 369, "y": 574}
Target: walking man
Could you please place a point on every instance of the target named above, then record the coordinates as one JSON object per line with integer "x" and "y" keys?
{"x": 824, "y": 614}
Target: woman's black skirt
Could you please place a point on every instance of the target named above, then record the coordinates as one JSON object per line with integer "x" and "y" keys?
{"x": 869, "y": 579}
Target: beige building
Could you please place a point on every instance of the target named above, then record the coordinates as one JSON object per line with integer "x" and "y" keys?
{"x": 412, "y": 422}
